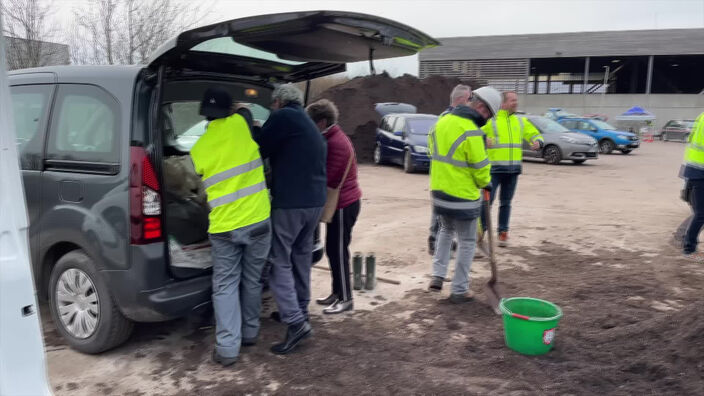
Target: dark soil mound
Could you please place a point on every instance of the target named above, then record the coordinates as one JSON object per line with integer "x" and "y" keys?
{"x": 356, "y": 99}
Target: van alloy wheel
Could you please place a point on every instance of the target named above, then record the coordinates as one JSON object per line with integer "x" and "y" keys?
{"x": 77, "y": 302}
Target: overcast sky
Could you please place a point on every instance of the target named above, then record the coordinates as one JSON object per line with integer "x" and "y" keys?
{"x": 448, "y": 18}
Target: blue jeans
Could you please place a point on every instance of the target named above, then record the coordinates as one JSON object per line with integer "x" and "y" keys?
{"x": 238, "y": 259}
{"x": 506, "y": 182}
{"x": 696, "y": 201}
{"x": 466, "y": 231}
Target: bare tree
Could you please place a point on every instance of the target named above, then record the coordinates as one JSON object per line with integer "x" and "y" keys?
{"x": 127, "y": 31}
{"x": 29, "y": 32}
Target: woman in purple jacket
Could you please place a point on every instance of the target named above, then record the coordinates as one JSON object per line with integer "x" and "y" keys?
{"x": 339, "y": 230}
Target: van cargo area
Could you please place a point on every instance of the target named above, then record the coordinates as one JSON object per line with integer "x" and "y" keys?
{"x": 185, "y": 201}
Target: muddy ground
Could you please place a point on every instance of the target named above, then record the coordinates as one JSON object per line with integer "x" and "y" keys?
{"x": 591, "y": 238}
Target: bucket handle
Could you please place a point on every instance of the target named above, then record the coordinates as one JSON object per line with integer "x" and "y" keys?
{"x": 519, "y": 316}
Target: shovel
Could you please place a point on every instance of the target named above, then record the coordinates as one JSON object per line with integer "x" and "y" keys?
{"x": 493, "y": 294}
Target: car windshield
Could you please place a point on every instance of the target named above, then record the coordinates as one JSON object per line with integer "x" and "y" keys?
{"x": 547, "y": 126}
{"x": 603, "y": 125}
{"x": 421, "y": 126}
{"x": 688, "y": 124}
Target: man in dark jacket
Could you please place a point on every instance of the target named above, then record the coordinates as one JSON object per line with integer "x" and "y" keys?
{"x": 297, "y": 155}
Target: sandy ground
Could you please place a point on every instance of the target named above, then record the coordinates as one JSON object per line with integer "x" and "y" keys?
{"x": 592, "y": 238}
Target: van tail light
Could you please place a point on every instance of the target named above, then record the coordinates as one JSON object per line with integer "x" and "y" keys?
{"x": 145, "y": 199}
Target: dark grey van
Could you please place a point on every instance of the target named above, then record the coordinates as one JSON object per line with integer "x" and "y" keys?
{"x": 117, "y": 218}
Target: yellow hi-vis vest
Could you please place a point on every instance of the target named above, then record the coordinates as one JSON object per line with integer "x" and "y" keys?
{"x": 459, "y": 167}
{"x": 507, "y": 132}
{"x": 694, "y": 153}
{"x": 227, "y": 158}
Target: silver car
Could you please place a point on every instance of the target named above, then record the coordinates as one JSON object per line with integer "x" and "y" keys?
{"x": 560, "y": 143}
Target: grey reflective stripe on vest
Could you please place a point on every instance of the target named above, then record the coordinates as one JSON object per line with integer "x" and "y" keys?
{"x": 496, "y": 130}
{"x": 520, "y": 122}
{"x": 696, "y": 146}
{"x": 457, "y": 205}
{"x": 232, "y": 172}
{"x": 455, "y": 145}
{"x": 505, "y": 163}
{"x": 694, "y": 165}
{"x": 507, "y": 145}
{"x": 232, "y": 197}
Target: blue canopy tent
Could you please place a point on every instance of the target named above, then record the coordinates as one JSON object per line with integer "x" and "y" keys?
{"x": 636, "y": 113}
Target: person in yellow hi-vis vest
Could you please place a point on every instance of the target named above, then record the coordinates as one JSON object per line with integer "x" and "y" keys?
{"x": 228, "y": 160}
{"x": 505, "y": 135}
{"x": 459, "y": 169}
{"x": 693, "y": 172}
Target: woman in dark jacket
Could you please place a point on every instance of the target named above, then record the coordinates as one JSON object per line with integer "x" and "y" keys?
{"x": 339, "y": 230}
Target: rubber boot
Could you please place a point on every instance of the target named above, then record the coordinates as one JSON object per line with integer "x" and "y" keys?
{"x": 357, "y": 271}
{"x": 371, "y": 272}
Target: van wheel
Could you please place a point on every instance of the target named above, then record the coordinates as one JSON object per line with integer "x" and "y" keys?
{"x": 82, "y": 308}
{"x": 606, "y": 146}
{"x": 408, "y": 166}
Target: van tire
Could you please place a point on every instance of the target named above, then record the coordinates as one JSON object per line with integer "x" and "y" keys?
{"x": 112, "y": 328}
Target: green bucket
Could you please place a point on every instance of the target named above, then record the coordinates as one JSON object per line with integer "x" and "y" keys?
{"x": 529, "y": 324}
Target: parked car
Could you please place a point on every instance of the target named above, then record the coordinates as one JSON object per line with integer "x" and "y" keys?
{"x": 560, "y": 143}
{"x": 677, "y": 130}
{"x": 402, "y": 139}
{"x": 609, "y": 137}
{"x": 556, "y": 113}
{"x": 93, "y": 151}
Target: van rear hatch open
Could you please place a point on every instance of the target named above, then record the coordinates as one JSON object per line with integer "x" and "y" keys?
{"x": 250, "y": 55}
{"x": 289, "y": 47}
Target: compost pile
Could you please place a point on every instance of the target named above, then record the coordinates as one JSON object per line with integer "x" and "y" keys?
{"x": 356, "y": 99}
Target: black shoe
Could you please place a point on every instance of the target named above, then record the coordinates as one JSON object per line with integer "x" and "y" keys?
{"x": 339, "y": 307}
{"x": 248, "y": 342}
{"x": 461, "y": 298}
{"x": 436, "y": 284}
{"x": 223, "y": 360}
{"x": 329, "y": 300}
{"x": 275, "y": 316}
{"x": 294, "y": 335}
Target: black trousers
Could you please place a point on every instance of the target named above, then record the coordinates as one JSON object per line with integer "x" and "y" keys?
{"x": 337, "y": 241}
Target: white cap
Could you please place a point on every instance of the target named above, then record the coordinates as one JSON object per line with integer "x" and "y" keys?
{"x": 491, "y": 97}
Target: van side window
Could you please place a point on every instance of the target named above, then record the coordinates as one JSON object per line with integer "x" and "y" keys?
{"x": 30, "y": 104}
{"x": 85, "y": 125}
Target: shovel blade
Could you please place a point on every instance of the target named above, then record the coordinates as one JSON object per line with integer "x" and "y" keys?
{"x": 493, "y": 296}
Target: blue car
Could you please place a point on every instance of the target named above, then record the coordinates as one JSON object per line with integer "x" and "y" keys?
{"x": 608, "y": 136}
{"x": 402, "y": 138}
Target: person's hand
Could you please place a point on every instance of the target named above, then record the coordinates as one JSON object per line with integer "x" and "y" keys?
{"x": 490, "y": 142}
{"x": 257, "y": 123}
{"x": 536, "y": 145}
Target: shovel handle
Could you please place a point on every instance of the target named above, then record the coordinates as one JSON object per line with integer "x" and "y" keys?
{"x": 519, "y": 316}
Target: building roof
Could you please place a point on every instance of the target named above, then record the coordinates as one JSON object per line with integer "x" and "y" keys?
{"x": 578, "y": 44}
